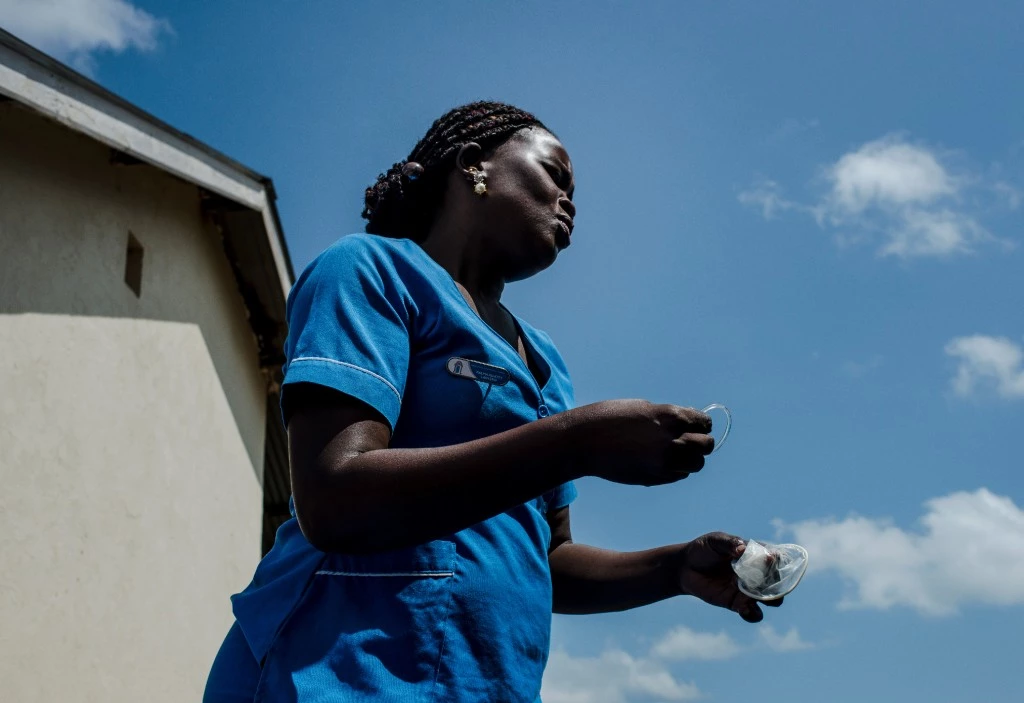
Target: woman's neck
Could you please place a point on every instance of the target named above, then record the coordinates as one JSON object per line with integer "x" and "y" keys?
{"x": 459, "y": 253}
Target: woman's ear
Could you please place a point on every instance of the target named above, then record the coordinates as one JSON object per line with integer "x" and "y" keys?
{"x": 470, "y": 155}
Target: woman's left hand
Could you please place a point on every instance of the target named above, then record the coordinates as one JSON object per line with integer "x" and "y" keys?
{"x": 705, "y": 571}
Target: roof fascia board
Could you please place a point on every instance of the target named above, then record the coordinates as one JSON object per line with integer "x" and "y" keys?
{"x": 74, "y": 107}
{"x": 51, "y": 88}
{"x": 281, "y": 260}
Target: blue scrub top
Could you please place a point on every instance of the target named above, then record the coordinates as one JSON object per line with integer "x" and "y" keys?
{"x": 464, "y": 618}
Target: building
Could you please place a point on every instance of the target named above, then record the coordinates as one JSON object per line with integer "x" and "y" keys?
{"x": 143, "y": 279}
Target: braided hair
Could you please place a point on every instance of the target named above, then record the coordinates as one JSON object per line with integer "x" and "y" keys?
{"x": 403, "y": 201}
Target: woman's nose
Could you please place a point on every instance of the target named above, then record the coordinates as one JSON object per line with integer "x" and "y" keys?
{"x": 568, "y": 206}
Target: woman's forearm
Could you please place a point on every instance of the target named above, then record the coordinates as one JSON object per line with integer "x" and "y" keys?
{"x": 389, "y": 498}
{"x": 354, "y": 494}
{"x": 591, "y": 580}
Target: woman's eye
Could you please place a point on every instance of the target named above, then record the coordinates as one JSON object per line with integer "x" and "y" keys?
{"x": 558, "y": 176}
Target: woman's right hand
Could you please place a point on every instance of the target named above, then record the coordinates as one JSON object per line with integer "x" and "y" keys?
{"x": 637, "y": 442}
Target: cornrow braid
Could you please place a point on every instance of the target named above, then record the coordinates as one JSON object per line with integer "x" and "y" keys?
{"x": 404, "y": 200}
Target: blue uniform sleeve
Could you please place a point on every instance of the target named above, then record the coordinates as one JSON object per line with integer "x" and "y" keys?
{"x": 348, "y": 326}
{"x": 561, "y": 497}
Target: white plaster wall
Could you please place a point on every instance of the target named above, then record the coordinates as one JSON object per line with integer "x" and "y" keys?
{"x": 65, "y": 214}
{"x": 128, "y": 512}
{"x": 131, "y": 429}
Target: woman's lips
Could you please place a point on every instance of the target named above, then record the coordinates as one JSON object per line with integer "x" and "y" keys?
{"x": 563, "y": 234}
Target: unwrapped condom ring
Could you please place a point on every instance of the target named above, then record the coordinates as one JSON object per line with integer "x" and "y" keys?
{"x": 728, "y": 423}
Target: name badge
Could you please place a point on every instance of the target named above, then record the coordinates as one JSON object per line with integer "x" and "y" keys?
{"x": 478, "y": 371}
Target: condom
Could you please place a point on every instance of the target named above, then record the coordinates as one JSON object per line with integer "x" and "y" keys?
{"x": 767, "y": 571}
{"x": 719, "y": 441}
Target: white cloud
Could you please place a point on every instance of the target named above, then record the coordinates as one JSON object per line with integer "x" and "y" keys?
{"x": 988, "y": 361}
{"x": 72, "y": 30}
{"x": 904, "y": 192}
{"x": 613, "y": 677}
{"x": 886, "y": 172}
{"x": 767, "y": 196}
{"x": 684, "y": 643}
{"x": 616, "y": 676}
{"x": 789, "y": 642}
{"x": 970, "y": 550}
{"x": 933, "y": 233}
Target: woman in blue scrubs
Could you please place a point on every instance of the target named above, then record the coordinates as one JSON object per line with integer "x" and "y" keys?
{"x": 434, "y": 441}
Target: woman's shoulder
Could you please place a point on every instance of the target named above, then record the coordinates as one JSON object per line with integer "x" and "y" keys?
{"x": 360, "y": 256}
{"x": 360, "y": 248}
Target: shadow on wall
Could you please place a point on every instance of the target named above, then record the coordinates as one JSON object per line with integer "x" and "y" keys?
{"x": 85, "y": 231}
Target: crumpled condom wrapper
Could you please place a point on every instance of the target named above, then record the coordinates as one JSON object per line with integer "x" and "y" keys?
{"x": 768, "y": 571}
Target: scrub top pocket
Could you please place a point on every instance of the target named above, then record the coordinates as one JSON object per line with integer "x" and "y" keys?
{"x": 369, "y": 627}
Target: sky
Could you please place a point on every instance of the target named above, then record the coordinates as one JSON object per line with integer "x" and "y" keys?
{"x": 810, "y": 212}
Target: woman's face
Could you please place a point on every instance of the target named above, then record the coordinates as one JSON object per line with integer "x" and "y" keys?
{"x": 527, "y": 213}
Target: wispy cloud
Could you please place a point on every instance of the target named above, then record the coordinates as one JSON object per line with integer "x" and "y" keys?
{"x": 767, "y": 196}
{"x": 613, "y": 677}
{"x": 789, "y": 642}
{"x": 683, "y": 643}
{"x": 74, "y": 30}
{"x": 970, "y": 549}
{"x": 616, "y": 676}
{"x": 987, "y": 362}
{"x": 904, "y": 193}
{"x": 1011, "y": 195}
{"x": 917, "y": 232}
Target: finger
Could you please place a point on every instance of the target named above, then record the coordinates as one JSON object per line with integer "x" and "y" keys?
{"x": 683, "y": 456}
{"x": 729, "y": 546}
{"x": 695, "y": 420}
{"x": 747, "y": 608}
{"x": 752, "y": 614}
{"x": 678, "y": 419}
{"x": 703, "y": 443}
{"x": 772, "y": 603}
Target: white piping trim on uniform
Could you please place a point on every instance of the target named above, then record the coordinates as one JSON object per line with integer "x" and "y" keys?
{"x": 351, "y": 366}
{"x": 436, "y": 574}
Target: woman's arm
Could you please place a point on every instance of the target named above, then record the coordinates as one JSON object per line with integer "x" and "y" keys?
{"x": 354, "y": 494}
{"x": 591, "y": 580}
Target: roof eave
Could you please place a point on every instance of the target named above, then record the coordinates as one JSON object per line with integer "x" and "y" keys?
{"x": 55, "y": 90}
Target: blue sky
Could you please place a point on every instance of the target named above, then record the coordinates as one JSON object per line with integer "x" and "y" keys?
{"x": 810, "y": 212}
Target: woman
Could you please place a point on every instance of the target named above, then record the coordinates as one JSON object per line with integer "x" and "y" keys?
{"x": 434, "y": 443}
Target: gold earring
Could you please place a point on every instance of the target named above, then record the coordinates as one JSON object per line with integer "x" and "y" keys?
{"x": 479, "y": 186}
